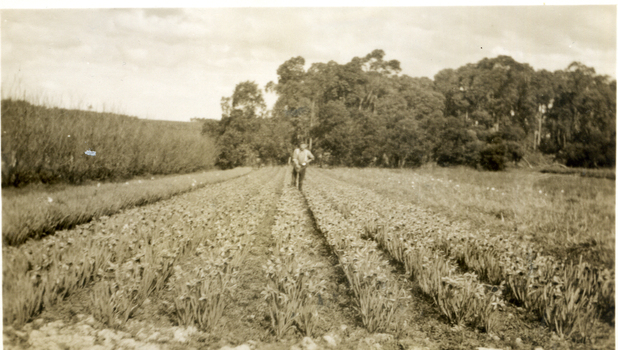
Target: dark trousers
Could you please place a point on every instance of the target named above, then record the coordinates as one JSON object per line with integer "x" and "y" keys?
{"x": 301, "y": 176}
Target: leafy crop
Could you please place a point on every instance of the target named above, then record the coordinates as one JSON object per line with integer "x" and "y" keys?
{"x": 566, "y": 296}
{"x": 377, "y": 293}
{"x": 39, "y": 213}
{"x": 127, "y": 256}
{"x": 292, "y": 288}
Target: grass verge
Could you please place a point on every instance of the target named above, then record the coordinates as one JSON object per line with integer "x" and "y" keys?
{"x": 39, "y": 213}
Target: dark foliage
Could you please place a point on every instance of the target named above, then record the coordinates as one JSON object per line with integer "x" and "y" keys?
{"x": 364, "y": 113}
{"x": 493, "y": 157}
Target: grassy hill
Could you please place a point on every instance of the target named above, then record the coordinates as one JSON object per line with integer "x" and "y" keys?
{"x": 49, "y": 145}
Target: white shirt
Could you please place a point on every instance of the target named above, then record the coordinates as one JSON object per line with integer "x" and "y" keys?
{"x": 301, "y": 157}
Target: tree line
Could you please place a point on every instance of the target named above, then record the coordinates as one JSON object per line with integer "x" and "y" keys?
{"x": 366, "y": 113}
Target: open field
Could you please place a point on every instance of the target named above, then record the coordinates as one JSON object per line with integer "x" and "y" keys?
{"x": 253, "y": 263}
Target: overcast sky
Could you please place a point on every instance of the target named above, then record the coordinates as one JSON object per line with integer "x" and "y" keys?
{"x": 176, "y": 64}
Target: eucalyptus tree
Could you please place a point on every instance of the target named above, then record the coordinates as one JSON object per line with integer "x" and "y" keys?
{"x": 240, "y": 117}
{"x": 582, "y": 123}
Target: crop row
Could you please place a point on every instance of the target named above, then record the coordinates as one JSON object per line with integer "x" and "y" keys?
{"x": 129, "y": 255}
{"x": 293, "y": 289}
{"x": 204, "y": 284}
{"x": 36, "y": 214}
{"x": 567, "y": 297}
{"x": 378, "y": 296}
{"x": 565, "y": 215}
{"x": 459, "y": 297}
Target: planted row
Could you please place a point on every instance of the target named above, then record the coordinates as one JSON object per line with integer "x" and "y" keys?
{"x": 377, "y": 293}
{"x": 459, "y": 297}
{"x": 566, "y": 296}
{"x": 293, "y": 288}
{"x": 37, "y": 214}
{"x": 143, "y": 243}
{"x": 205, "y": 283}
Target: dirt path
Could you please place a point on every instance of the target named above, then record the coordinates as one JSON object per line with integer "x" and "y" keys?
{"x": 244, "y": 317}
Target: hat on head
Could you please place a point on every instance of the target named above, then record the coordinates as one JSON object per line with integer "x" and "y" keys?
{"x": 303, "y": 143}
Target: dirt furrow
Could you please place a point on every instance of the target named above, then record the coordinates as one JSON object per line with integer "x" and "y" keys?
{"x": 298, "y": 242}
{"x": 245, "y": 315}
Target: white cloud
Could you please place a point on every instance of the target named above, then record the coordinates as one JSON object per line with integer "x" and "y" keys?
{"x": 178, "y": 63}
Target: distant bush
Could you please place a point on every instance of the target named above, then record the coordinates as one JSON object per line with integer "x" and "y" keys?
{"x": 588, "y": 155}
{"x": 479, "y": 148}
{"x": 512, "y": 133}
{"x": 41, "y": 144}
{"x": 515, "y": 152}
{"x": 458, "y": 146}
{"x": 493, "y": 157}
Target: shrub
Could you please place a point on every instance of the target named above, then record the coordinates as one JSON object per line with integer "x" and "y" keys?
{"x": 493, "y": 157}
{"x": 588, "y": 155}
{"x": 512, "y": 133}
{"x": 515, "y": 151}
{"x": 473, "y": 153}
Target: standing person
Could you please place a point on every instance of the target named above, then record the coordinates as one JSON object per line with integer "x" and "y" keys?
{"x": 301, "y": 159}
{"x": 294, "y": 162}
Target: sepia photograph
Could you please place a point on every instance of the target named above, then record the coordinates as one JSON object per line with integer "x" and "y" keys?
{"x": 262, "y": 175}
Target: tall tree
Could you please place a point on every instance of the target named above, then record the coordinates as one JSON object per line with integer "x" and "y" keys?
{"x": 249, "y": 99}
{"x": 582, "y": 122}
{"x": 364, "y": 113}
{"x": 238, "y": 123}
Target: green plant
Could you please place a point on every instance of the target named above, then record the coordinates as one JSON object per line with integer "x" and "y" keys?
{"x": 485, "y": 262}
{"x": 413, "y": 261}
{"x": 102, "y": 306}
{"x": 377, "y": 297}
{"x": 281, "y": 309}
{"x": 459, "y": 297}
{"x": 569, "y": 302}
{"x": 430, "y": 277}
{"x": 22, "y": 300}
{"x": 520, "y": 286}
{"x": 114, "y": 302}
{"x": 486, "y": 308}
{"x": 202, "y": 300}
{"x": 289, "y": 295}
{"x": 211, "y": 302}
